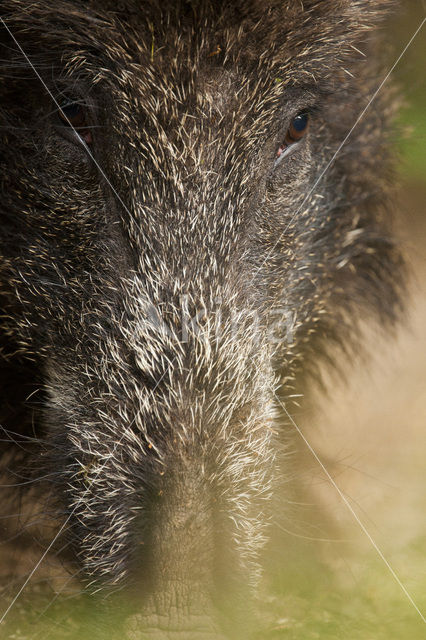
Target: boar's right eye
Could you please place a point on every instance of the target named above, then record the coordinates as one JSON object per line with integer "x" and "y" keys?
{"x": 296, "y": 131}
{"x": 73, "y": 115}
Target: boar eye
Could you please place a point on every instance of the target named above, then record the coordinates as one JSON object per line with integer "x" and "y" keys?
{"x": 295, "y": 133}
{"x": 73, "y": 114}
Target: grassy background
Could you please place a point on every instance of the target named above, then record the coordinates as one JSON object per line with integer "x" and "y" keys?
{"x": 410, "y": 74}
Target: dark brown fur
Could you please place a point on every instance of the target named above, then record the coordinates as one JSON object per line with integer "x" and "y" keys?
{"x": 159, "y": 455}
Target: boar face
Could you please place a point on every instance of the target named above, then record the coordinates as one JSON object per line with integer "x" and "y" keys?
{"x": 176, "y": 250}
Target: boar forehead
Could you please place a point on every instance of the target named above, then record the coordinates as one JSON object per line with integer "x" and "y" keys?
{"x": 313, "y": 37}
{"x": 242, "y": 69}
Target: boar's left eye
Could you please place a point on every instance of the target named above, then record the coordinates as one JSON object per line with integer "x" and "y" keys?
{"x": 73, "y": 115}
{"x": 295, "y": 133}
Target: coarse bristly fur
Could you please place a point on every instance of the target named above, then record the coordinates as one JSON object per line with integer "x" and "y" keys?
{"x": 164, "y": 285}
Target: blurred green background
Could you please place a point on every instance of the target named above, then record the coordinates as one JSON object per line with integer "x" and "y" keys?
{"x": 410, "y": 75}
